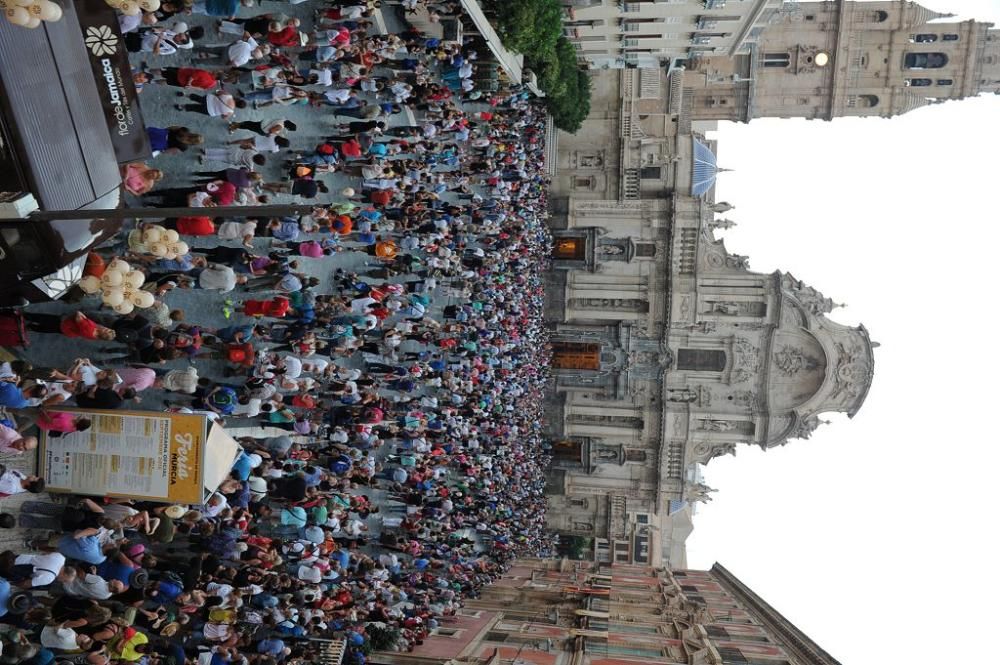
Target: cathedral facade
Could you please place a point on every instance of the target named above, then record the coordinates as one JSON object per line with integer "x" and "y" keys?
{"x": 668, "y": 349}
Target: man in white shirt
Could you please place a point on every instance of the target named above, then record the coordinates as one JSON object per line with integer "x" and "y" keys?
{"x": 14, "y": 482}
{"x": 45, "y": 567}
{"x": 217, "y": 277}
{"x": 93, "y": 587}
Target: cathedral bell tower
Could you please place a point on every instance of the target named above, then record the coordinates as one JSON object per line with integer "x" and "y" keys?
{"x": 831, "y": 59}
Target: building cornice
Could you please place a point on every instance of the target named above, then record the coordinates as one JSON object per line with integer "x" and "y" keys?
{"x": 806, "y": 651}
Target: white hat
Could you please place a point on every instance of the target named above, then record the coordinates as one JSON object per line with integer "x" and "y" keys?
{"x": 179, "y": 27}
{"x": 258, "y": 487}
{"x": 255, "y": 460}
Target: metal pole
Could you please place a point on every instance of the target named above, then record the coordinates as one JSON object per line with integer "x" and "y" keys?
{"x": 146, "y": 213}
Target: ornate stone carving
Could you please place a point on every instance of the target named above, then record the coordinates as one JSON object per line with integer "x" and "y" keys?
{"x": 791, "y": 360}
{"x": 748, "y": 399}
{"x": 699, "y": 492}
{"x": 746, "y": 356}
{"x": 605, "y": 304}
{"x": 712, "y": 425}
{"x": 811, "y": 299}
{"x": 721, "y": 206}
{"x": 852, "y": 371}
{"x": 682, "y": 396}
{"x": 806, "y": 426}
{"x": 707, "y": 451}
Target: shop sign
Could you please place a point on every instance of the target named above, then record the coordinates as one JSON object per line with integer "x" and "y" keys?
{"x": 109, "y": 61}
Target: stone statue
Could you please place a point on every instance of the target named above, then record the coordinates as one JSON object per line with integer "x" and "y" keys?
{"x": 684, "y": 396}
{"x": 711, "y": 425}
{"x": 612, "y": 250}
{"x": 606, "y": 455}
{"x": 722, "y": 206}
{"x": 722, "y": 224}
{"x": 725, "y": 307}
{"x": 738, "y": 261}
{"x": 699, "y": 492}
{"x": 723, "y": 449}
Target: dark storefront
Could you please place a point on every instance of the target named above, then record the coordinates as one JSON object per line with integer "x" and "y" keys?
{"x": 60, "y": 98}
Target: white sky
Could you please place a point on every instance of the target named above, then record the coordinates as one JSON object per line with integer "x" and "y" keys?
{"x": 877, "y": 536}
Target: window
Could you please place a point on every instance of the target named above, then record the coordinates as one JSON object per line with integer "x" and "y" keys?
{"x": 879, "y": 16}
{"x": 731, "y": 656}
{"x": 777, "y": 59}
{"x": 579, "y": 503}
{"x": 453, "y": 633}
{"x": 862, "y": 101}
{"x": 635, "y": 455}
{"x": 918, "y": 83}
{"x": 650, "y": 173}
{"x": 572, "y": 249}
{"x": 925, "y": 60}
{"x": 949, "y": 38}
{"x": 944, "y": 81}
{"x": 923, "y": 38}
{"x": 701, "y": 360}
{"x": 621, "y": 650}
{"x": 642, "y": 518}
{"x": 584, "y": 183}
{"x": 689, "y": 588}
{"x": 645, "y": 249}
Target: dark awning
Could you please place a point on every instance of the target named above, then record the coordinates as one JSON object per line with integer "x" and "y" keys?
{"x": 53, "y": 115}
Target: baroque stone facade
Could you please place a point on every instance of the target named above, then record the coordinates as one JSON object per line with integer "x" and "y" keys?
{"x": 668, "y": 350}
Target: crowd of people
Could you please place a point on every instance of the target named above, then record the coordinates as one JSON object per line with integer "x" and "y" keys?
{"x": 404, "y": 465}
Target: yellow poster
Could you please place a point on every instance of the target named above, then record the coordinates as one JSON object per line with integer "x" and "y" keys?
{"x": 137, "y": 454}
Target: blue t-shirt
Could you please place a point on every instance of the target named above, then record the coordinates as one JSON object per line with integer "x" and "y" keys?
{"x": 111, "y": 569}
{"x": 86, "y": 549}
{"x": 158, "y": 138}
{"x": 10, "y": 395}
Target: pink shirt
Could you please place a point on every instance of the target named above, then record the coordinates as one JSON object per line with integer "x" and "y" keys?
{"x": 7, "y": 437}
{"x": 311, "y": 249}
{"x": 60, "y": 421}
{"x": 137, "y": 378}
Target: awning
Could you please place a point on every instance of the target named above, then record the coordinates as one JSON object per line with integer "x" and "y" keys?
{"x": 54, "y": 115}
{"x": 703, "y": 168}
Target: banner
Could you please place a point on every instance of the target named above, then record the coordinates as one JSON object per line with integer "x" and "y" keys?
{"x": 113, "y": 74}
{"x": 135, "y": 454}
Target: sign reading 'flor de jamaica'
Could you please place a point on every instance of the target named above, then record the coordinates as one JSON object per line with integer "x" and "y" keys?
{"x": 113, "y": 74}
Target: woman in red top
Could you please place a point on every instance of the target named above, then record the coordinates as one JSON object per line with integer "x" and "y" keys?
{"x": 189, "y": 77}
{"x": 287, "y": 36}
{"x": 222, "y": 191}
{"x": 275, "y": 307}
{"x": 75, "y": 325}
{"x": 195, "y": 226}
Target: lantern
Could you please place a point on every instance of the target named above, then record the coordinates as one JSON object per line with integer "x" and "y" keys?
{"x": 129, "y": 8}
{"x": 124, "y": 307}
{"x": 152, "y": 234}
{"x": 18, "y": 15}
{"x": 113, "y": 297}
{"x": 112, "y": 278}
{"x": 347, "y": 192}
{"x": 181, "y": 248}
{"x": 134, "y": 279}
{"x": 149, "y": 5}
{"x": 158, "y": 249}
{"x": 143, "y": 299}
{"x": 90, "y": 284}
{"x": 170, "y": 236}
{"x": 50, "y": 11}
{"x": 119, "y": 265}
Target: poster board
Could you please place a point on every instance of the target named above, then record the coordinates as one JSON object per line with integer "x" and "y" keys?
{"x": 144, "y": 455}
